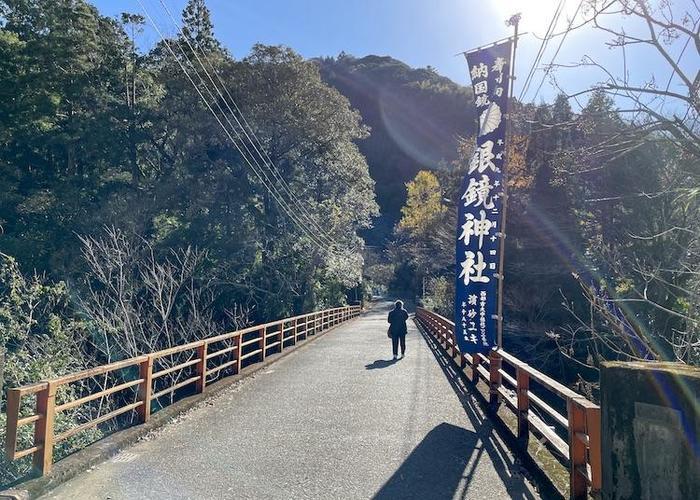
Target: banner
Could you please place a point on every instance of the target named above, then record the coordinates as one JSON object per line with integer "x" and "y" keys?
{"x": 479, "y": 212}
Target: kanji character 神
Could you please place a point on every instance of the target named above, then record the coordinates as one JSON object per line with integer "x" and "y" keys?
{"x": 476, "y": 227}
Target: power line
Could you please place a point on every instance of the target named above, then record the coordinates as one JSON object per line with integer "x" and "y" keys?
{"x": 548, "y": 68}
{"x": 267, "y": 161}
{"x": 542, "y": 49}
{"x": 271, "y": 189}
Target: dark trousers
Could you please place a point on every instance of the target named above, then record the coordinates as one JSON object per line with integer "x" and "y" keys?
{"x": 395, "y": 339}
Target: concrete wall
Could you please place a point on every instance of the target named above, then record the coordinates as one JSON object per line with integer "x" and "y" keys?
{"x": 650, "y": 431}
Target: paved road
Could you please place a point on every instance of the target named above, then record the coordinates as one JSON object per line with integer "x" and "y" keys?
{"x": 334, "y": 420}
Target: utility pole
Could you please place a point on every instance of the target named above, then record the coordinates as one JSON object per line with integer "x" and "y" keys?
{"x": 512, "y": 21}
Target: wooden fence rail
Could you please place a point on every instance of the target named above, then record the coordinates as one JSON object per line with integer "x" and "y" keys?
{"x": 137, "y": 374}
{"x": 580, "y": 453}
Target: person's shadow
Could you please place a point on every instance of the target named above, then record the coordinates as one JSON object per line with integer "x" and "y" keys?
{"x": 380, "y": 363}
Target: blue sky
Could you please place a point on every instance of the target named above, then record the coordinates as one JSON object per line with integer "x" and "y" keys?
{"x": 418, "y": 32}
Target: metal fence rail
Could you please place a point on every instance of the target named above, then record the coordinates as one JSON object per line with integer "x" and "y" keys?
{"x": 198, "y": 363}
{"x": 581, "y": 422}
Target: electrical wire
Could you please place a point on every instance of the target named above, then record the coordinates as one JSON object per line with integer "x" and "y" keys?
{"x": 261, "y": 177}
{"x": 548, "y": 68}
{"x": 542, "y": 49}
{"x": 245, "y": 127}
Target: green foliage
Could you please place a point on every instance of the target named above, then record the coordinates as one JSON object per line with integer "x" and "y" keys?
{"x": 600, "y": 247}
{"x": 95, "y": 133}
{"x": 197, "y": 26}
{"x": 42, "y": 340}
{"x": 416, "y": 117}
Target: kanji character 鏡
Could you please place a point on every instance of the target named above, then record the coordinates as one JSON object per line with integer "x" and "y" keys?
{"x": 478, "y": 193}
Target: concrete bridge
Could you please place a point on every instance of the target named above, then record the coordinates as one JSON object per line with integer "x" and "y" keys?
{"x": 337, "y": 419}
{"x": 311, "y": 407}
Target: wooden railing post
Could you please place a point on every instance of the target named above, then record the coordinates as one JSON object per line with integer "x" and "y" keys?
{"x": 523, "y": 386}
{"x": 145, "y": 388}
{"x": 262, "y": 343}
{"x": 594, "y": 446}
{"x": 239, "y": 353}
{"x": 202, "y": 367}
{"x": 13, "y": 400}
{"x": 43, "y": 430}
{"x": 578, "y": 485}
{"x": 476, "y": 361}
{"x": 494, "y": 378}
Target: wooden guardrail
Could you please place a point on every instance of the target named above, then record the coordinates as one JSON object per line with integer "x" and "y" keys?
{"x": 197, "y": 362}
{"x": 579, "y": 452}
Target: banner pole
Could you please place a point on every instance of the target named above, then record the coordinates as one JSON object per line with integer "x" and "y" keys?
{"x": 515, "y": 20}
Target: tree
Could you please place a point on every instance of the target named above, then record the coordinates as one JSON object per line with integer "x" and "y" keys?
{"x": 63, "y": 144}
{"x": 197, "y": 26}
{"x": 424, "y": 204}
{"x": 640, "y": 166}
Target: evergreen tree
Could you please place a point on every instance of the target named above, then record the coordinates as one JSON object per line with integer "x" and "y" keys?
{"x": 198, "y": 28}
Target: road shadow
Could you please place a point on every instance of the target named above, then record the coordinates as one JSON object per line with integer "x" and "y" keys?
{"x": 380, "y": 363}
{"x": 511, "y": 471}
{"x": 435, "y": 467}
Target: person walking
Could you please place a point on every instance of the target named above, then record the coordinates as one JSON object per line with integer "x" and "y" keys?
{"x": 397, "y": 328}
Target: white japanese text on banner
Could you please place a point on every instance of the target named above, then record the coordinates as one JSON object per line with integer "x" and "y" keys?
{"x": 480, "y": 206}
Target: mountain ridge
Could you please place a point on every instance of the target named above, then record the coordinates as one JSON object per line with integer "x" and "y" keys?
{"x": 415, "y": 115}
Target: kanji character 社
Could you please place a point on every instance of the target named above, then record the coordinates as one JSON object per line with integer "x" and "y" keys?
{"x": 473, "y": 268}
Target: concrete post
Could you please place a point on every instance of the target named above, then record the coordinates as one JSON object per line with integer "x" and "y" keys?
{"x": 650, "y": 431}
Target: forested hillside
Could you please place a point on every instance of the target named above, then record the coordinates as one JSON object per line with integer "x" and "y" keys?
{"x": 154, "y": 196}
{"x": 601, "y": 247}
{"x": 130, "y": 221}
{"x": 415, "y": 116}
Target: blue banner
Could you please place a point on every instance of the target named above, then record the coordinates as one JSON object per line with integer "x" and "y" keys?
{"x": 479, "y": 212}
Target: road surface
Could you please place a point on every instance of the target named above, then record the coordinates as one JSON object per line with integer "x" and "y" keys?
{"x": 335, "y": 420}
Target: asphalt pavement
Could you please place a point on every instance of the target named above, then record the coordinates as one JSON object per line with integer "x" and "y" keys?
{"x": 338, "y": 419}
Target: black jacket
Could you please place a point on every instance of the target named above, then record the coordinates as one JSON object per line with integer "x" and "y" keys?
{"x": 397, "y": 320}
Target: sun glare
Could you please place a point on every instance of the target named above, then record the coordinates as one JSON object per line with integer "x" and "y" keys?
{"x": 536, "y": 14}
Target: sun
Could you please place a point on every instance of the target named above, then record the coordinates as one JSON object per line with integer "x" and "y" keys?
{"x": 536, "y": 14}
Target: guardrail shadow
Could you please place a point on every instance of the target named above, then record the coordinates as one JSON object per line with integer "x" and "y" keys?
{"x": 510, "y": 471}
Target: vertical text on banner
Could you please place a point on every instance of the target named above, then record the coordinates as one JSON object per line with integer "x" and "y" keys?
{"x": 480, "y": 206}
